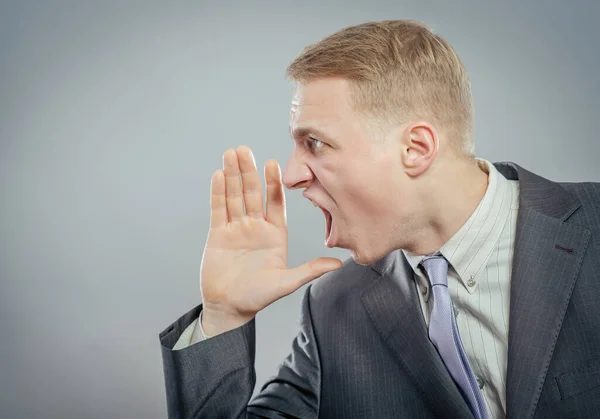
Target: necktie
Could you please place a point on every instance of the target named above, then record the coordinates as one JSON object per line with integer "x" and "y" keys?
{"x": 443, "y": 332}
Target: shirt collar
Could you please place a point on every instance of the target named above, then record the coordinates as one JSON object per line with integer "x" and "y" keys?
{"x": 468, "y": 250}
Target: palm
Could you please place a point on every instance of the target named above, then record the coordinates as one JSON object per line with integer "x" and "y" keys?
{"x": 244, "y": 266}
{"x": 254, "y": 251}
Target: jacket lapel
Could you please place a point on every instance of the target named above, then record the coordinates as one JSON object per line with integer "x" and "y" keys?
{"x": 547, "y": 258}
{"x": 392, "y": 304}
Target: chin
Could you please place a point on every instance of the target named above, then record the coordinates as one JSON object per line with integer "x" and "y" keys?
{"x": 367, "y": 255}
{"x": 363, "y": 259}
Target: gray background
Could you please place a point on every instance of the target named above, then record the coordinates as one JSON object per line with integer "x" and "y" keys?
{"x": 113, "y": 116}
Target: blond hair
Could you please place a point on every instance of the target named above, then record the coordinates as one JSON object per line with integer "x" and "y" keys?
{"x": 399, "y": 70}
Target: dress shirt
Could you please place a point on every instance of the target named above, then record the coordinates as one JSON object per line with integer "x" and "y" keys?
{"x": 191, "y": 335}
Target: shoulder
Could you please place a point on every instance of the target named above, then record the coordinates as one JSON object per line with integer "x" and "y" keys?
{"x": 585, "y": 191}
{"x": 339, "y": 288}
{"x": 588, "y": 195}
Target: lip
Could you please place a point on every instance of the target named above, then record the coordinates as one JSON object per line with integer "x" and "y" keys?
{"x": 314, "y": 201}
{"x": 310, "y": 198}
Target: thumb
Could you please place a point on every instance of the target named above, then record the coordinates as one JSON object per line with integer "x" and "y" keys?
{"x": 311, "y": 270}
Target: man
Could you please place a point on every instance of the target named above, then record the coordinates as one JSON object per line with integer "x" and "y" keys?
{"x": 472, "y": 289}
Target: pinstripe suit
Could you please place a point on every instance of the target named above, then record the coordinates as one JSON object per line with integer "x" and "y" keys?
{"x": 363, "y": 351}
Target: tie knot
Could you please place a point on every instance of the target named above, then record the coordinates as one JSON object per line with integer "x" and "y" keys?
{"x": 436, "y": 267}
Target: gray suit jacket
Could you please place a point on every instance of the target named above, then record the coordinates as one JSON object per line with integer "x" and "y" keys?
{"x": 363, "y": 351}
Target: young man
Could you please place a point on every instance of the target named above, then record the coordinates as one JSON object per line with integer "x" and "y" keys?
{"x": 472, "y": 288}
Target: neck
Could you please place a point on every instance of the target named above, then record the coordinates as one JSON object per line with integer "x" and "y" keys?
{"x": 458, "y": 188}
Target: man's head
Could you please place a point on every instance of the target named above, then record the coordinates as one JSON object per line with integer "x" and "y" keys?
{"x": 380, "y": 113}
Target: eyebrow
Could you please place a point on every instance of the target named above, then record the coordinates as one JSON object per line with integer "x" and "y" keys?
{"x": 302, "y": 132}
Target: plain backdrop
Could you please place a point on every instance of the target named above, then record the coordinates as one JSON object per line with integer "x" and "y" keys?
{"x": 114, "y": 114}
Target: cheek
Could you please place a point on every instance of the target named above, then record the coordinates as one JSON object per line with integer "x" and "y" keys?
{"x": 366, "y": 192}
{"x": 371, "y": 173}
{"x": 360, "y": 186}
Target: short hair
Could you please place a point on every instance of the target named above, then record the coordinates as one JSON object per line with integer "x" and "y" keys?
{"x": 398, "y": 70}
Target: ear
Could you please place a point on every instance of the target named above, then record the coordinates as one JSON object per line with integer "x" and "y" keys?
{"x": 419, "y": 147}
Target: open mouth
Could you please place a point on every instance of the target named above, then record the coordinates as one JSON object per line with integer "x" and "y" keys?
{"x": 328, "y": 224}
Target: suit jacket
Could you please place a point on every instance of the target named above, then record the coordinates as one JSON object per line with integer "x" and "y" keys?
{"x": 363, "y": 351}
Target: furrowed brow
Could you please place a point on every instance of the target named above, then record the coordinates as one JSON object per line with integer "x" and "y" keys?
{"x": 302, "y": 132}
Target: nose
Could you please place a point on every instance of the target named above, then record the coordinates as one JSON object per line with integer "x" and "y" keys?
{"x": 296, "y": 173}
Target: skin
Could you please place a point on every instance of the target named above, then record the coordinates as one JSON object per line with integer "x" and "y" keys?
{"x": 386, "y": 188}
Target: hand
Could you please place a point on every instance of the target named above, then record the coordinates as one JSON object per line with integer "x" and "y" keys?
{"x": 244, "y": 266}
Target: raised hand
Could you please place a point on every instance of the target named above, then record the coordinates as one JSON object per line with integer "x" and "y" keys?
{"x": 244, "y": 266}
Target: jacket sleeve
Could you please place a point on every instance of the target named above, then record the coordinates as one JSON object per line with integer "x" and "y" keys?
{"x": 216, "y": 377}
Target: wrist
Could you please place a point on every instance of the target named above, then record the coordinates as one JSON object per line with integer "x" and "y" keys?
{"x": 215, "y": 321}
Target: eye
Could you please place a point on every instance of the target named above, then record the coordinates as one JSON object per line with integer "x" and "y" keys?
{"x": 314, "y": 145}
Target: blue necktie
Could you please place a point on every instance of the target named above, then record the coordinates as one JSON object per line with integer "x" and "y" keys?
{"x": 443, "y": 332}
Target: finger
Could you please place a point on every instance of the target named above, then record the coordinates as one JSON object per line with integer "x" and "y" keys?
{"x": 311, "y": 270}
{"x": 233, "y": 186}
{"x": 218, "y": 206}
{"x": 275, "y": 195}
{"x": 252, "y": 187}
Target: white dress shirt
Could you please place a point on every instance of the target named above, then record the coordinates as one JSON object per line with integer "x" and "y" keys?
{"x": 191, "y": 335}
{"x": 480, "y": 258}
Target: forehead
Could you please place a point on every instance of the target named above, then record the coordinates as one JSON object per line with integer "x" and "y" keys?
{"x": 320, "y": 101}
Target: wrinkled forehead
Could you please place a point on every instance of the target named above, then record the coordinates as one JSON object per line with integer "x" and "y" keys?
{"x": 320, "y": 100}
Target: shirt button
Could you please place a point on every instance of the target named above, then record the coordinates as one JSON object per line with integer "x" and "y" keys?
{"x": 471, "y": 282}
{"x": 424, "y": 290}
{"x": 480, "y": 383}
